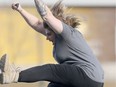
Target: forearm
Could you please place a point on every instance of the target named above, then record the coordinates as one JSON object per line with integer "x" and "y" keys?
{"x": 41, "y": 8}
{"x": 33, "y": 21}
{"x": 29, "y": 18}
{"x": 48, "y": 17}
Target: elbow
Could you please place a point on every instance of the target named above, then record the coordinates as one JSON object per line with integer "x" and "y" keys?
{"x": 35, "y": 24}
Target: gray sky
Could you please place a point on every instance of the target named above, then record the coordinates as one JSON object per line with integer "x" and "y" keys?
{"x": 67, "y": 2}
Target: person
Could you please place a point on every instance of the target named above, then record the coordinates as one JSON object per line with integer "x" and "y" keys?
{"x": 77, "y": 65}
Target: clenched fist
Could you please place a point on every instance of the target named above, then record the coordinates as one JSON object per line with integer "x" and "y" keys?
{"x": 16, "y": 6}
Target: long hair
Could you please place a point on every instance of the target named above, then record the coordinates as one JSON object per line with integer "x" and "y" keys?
{"x": 58, "y": 10}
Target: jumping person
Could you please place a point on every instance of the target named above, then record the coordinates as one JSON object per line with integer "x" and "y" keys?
{"x": 77, "y": 65}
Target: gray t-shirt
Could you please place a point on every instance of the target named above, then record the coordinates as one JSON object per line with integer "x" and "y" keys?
{"x": 71, "y": 48}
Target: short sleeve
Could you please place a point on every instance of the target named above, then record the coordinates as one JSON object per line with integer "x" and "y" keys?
{"x": 67, "y": 32}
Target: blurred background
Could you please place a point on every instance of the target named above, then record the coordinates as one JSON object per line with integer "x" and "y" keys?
{"x": 27, "y": 48}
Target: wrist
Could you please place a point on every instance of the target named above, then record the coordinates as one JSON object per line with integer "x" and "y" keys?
{"x": 20, "y": 10}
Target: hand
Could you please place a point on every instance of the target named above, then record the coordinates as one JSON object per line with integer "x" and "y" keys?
{"x": 16, "y": 6}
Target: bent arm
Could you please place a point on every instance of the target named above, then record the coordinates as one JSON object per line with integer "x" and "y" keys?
{"x": 54, "y": 23}
{"x": 33, "y": 21}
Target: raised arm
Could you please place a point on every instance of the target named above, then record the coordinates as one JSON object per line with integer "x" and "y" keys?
{"x": 33, "y": 21}
{"x": 54, "y": 23}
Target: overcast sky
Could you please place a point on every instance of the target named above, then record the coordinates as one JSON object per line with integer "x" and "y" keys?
{"x": 67, "y": 2}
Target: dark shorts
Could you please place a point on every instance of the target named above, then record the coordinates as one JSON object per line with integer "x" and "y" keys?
{"x": 59, "y": 75}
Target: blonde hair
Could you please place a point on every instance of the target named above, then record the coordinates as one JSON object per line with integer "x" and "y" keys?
{"x": 58, "y": 10}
